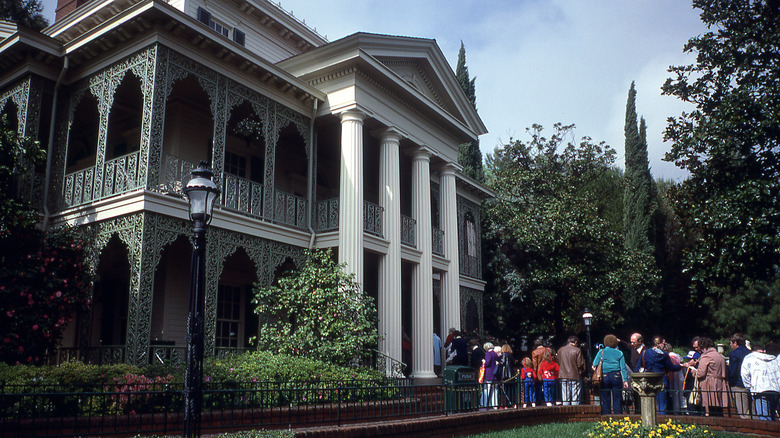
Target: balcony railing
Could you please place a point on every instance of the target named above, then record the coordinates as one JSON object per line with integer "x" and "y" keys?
{"x": 242, "y": 194}
{"x": 438, "y": 241}
{"x": 289, "y": 209}
{"x": 328, "y": 216}
{"x": 408, "y": 230}
{"x": 176, "y": 174}
{"x": 372, "y": 218}
{"x": 101, "y": 355}
{"x": 119, "y": 175}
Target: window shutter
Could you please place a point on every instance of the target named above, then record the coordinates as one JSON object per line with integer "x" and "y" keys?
{"x": 239, "y": 37}
{"x": 204, "y": 16}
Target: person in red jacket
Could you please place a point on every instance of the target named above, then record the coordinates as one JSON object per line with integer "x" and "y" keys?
{"x": 528, "y": 375}
{"x": 548, "y": 373}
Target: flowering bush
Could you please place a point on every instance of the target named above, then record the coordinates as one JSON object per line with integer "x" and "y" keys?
{"x": 631, "y": 429}
{"x": 136, "y": 393}
{"x": 43, "y": 285}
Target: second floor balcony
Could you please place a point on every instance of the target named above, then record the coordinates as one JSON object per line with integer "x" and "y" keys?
{"x": 121, "y": 175}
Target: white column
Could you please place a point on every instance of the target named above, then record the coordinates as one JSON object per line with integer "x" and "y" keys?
{"x": 448, "y": 217}
{"x": 351, "y": 193}
{"x": 389, "y": 304}
{"x": 422, "y": 288}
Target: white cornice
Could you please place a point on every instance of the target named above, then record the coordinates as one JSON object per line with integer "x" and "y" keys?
{"x": 469, "y": 185}
{"x": 472, "y": 283}
{"x": 153, "y": 202}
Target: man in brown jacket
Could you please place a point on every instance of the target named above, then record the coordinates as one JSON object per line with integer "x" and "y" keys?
{"x": 572, "y": 365}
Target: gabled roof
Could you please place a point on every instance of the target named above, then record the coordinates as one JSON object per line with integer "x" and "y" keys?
{"x": 413, "y": 66}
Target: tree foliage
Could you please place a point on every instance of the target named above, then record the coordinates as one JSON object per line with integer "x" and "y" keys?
{"x": 43, "y": 283}
{"x": 318, "y": 312}
{"x": 28, "y": 13}
{"x": 730, "y": 144}
{"x": 469, "y": 155}
{"x": 637, "y": 195}
{"x": 557, "y": 253}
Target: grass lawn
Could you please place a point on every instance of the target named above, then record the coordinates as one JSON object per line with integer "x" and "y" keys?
{"x": 561, "y": 430}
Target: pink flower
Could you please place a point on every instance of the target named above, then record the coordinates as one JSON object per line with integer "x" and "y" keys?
{"x": 58, "y": 294}
{"x": 35, "y": 327}
{"x": 10, "y": 313}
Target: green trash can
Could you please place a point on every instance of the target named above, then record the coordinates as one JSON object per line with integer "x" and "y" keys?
{"x": 461, "y": 389}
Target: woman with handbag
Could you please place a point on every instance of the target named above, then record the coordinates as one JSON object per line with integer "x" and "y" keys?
{"x": 613, "y": 375}
{"x": 711, "y": 370}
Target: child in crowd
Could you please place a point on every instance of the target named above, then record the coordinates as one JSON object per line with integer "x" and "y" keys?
{"x": 548, "y": 370}
{"x": 529, "y": 377}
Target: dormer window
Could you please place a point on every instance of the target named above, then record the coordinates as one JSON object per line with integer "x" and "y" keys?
{"x": 206, "y": 18}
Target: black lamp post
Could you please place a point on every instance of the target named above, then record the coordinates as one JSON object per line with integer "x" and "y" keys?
{"x": 587, "y": 318}
{"x": 201, "y": 193}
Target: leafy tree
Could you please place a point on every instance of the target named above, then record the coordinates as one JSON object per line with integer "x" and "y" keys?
{"x": 28, "y": 13}
{"x": 43, "y": 283}
{"x": 609, "y": 205}
{"x": 557, "y": 254}
{"x": 679, "y": 309}
{"x": 730, "y": 144}
{"x": 754, "y": 308}
{"x": 319, "y": 312}
{"x": 469, "y": 155}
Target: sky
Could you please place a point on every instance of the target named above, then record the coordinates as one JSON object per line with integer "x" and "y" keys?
{"x": 540, "y": 61}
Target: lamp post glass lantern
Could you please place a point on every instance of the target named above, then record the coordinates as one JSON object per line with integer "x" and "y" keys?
{"x": 587, "y": 318}
{"x": 201, "y": 193}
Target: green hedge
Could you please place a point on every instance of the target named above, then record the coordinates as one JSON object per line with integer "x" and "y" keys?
{"x": 247, "y": 367}
{"x": 263, "y": 366}
{"x": 140, "y": 389}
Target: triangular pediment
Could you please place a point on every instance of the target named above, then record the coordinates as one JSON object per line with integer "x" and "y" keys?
{"x": 414, "y": 72}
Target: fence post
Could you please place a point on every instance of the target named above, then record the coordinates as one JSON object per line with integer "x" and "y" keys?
{"x": 338, "y": 406}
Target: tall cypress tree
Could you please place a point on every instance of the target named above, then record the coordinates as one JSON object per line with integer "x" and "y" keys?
{"x": 637, "y": 195}
{"x": 469, "y": 155}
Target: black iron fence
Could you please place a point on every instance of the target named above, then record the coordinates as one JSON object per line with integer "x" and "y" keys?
{"x": 156, "y": 408}
{"x": 687, "y": 402}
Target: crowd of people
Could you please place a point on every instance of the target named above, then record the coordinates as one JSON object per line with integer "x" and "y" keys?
{"x": 703, "y": 382}
{"x": 545, "y": 377}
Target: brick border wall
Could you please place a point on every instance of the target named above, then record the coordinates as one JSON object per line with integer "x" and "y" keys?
{"x": 442, "y": 426}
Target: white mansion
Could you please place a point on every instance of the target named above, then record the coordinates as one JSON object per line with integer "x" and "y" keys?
{"x": 350, "y": 144}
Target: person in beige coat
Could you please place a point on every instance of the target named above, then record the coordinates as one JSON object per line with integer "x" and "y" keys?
{"x": 711, "y": 369}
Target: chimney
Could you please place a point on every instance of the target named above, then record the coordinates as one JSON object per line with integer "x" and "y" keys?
{"x": 65, "y": 7}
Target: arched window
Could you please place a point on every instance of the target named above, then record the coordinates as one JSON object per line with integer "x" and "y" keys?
{"x": 471, "y": 236}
